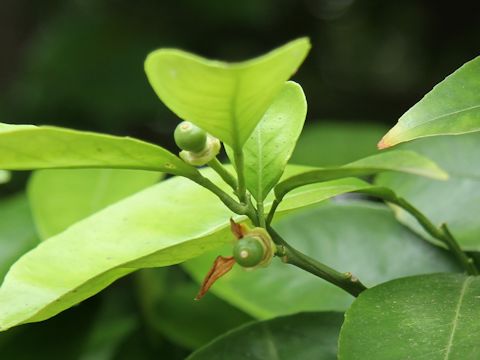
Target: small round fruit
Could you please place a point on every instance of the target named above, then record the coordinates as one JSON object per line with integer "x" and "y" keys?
{"x": 248, "y": 251}
{"x": 190, "y": 137}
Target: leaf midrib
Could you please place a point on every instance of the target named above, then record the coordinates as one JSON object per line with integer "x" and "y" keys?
{"x": 259, "y": 194}
{"x": 443, "y": 116}
{"x": 233, "y": 113}
{"x": 463, "y": 290}
{"x": 270, "y": 343}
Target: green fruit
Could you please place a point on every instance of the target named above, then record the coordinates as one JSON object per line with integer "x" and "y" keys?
{"x": 248, "y": 251}
{"x": 190, "y": 137}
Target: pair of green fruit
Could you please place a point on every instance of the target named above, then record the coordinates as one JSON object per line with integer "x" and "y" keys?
{"x": 247, "y": 251}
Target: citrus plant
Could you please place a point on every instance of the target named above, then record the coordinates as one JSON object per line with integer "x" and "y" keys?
{"x": 405, "y": 293}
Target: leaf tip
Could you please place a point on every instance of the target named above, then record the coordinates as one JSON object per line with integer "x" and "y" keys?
{"x": 383, "y": 144}
{"x": 443, "y": 175}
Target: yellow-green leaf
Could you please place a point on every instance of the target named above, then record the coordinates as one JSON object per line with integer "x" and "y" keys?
{"x": 226, "y": 99}
{"x": 27, "y": 147}
{"x": 451, "y": 108}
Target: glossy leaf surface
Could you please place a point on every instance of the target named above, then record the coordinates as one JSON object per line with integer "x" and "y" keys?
{"x": 227, "y": 100}
{"x": 60, "y": 198}
{"x": 422, "y": 317}
{"x": 341, "y": 236}
{"x": 452, "y": 107}
{"x": 398, "y": 161}
{"x": 26, "y": 147}
{"x": 271, "y": 144}
{"x": 305, "y": 336}
{"x": 17, "y": 231}
{"x": 456, "y": 201}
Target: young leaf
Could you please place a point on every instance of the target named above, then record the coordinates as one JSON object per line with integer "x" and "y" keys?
{"x": 456, "y": 201}
{"x": 341, "y": 236}
{"x": 300, "y": 336}
{"x": 271, "y": 144}
{"x": 26, "y": 147}
{"x": 60, "y": 198}
{"x": 17, "y": 231}
{"x": 399, "y": 161}
{"x": 451, "y": 108}
{"x": 4, "y": 176}
{"x": 422, "y": 317}
{"x": 227, "y": 100}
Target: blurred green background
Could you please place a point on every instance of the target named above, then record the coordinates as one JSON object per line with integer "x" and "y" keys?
{"x": 79, "y": 64}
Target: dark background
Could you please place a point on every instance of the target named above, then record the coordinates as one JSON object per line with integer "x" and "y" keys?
{"x": 79, "y": 63}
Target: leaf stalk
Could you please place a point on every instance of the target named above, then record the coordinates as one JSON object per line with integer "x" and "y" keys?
{"x": 346, "y": 281}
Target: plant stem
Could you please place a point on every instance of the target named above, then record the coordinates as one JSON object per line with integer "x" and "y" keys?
{"x": 466, "y": 261}
{"x": 240, "y": 165}
{"x": 443, "y": 234}
{"x": 216, "y": 165}
{"x": 261, "y": 214}
{"x": 271, "y": 213}
{"x": 240, "y": 209}
{"x": 289, "y": 255}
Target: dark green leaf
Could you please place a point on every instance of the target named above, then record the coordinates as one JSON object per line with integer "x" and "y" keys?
{"x": 306, "y": 336}
{"x": 422, "y": 317}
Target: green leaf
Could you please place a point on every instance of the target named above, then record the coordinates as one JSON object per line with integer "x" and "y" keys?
{"x": 60, "y": 198}
{"x": 271, "y": 144}
{"x": 17, "y": 231}
{"x": 301, "y": 336}
{"x": 451, "y": 108}
{"x": 166, "y": 224}
{"x": 456, "y": 201}
{"x": 358, "y": 237}
{"x": 4, "y": 176}
{"x": 227, "y": 100}
{"x": 422, "y": 317}
{"x": 159, "y": 226}
{"x": 26, "y": 147}
{"x": 324, "y": 143}
{"x": 399, "y": 161}
{"x": 172, "y": 311}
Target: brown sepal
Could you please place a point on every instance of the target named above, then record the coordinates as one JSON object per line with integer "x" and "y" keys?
{"x": 220, "y": 267}
{"x": 238, "y": 230}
